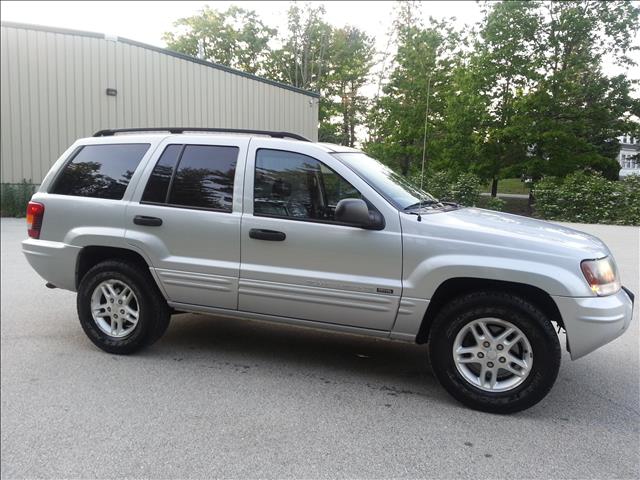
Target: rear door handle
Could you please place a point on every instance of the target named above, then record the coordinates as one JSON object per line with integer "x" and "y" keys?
{"x": 270, "y": 235}
{"x": 147, "y": 221}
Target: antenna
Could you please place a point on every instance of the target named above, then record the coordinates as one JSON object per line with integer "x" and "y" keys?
{"x": 426, "y": 123}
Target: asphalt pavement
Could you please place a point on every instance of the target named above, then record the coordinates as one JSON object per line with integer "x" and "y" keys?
{"x": 244, "y": 399}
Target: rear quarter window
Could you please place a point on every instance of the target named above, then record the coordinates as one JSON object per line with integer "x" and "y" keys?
{"x": 100, "y": 171}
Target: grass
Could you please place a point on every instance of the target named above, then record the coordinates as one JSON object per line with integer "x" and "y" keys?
{"x": 509, "y": 185}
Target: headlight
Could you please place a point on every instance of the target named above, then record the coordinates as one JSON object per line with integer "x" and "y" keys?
{"x": 602, "y": 275}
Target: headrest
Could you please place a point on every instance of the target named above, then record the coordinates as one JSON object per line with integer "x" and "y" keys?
{"x": 281, "y": 188}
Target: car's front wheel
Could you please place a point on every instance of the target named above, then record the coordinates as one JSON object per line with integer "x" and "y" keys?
{"x": 120, "y": 308}
{"x": 494, "y": 351}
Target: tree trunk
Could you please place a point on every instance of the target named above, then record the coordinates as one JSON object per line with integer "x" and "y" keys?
{"x": 404, "y": 167}
{"x": 345, "y": 117}
{"x": 352, "y": 130}
{"x": 494, "y": 187}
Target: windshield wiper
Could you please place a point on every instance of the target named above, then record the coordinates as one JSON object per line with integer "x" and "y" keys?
{"x": 421, "y": 203}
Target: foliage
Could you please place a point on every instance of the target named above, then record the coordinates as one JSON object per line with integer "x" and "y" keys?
{"x": 463, "y": 188}
{"x": 333, "y": 61}
{"x": 350, "y": 62}
{"x": 302, "y": 61}
{"x": 525, "y": 94}
{"x": 466, "y": 189}
{"x": 235, "y": 37}
{"x": 495, "y": 203}
{"x": 588, "y": 197}
{"x": 400, "y": 119}
{"x": 573, "y": 116}
{"x": 14, "y": 198}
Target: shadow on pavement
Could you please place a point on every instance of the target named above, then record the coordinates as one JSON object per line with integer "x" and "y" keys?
{"x": 251, "y": 342}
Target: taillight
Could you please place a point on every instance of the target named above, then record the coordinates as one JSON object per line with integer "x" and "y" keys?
{"x": 35, "y": 214}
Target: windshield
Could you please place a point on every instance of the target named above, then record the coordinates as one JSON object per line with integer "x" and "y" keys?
{"x": 391, "y": 185}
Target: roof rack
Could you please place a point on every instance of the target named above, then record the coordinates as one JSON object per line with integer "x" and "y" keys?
{"x": 114, "y": 131}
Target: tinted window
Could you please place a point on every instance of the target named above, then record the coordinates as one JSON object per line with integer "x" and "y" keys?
{"x": 204, "y": 178}
{"x": 158, "y": 184}
{"x": 101, "y": 171}
{"x": 393, "y": 186}
{"x": 336, "y": 187}
{"x": 292, "y": 185}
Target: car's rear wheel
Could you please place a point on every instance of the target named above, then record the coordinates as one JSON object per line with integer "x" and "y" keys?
{"x": 494, "y": 351}
{"x": 120, "y": 308}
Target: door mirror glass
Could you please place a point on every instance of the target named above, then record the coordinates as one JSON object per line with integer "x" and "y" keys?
{"x": 355, "y": 211}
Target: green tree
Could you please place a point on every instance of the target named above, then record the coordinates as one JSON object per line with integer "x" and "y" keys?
{"x": 465, "y": 117}
{"x": 574, "y": 114}
{"x": 422, "y": 72}
{"x": 302, "y": 61}
{"x": 333, "y": 61}
{"x": 303, "y": 58}
{"x": 506, "y": 67}
{"x": 350, "y": 61}
{"x": 235, "y": 37}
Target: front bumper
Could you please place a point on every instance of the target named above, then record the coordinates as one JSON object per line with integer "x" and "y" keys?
{"x": 592, "y": 322}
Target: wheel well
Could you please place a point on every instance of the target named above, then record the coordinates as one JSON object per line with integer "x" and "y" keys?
{"x": 456, "y": 287}
{"x": 91, "y": 256}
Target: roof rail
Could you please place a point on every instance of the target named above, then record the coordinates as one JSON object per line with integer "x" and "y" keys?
{"x": 114, "y": 131}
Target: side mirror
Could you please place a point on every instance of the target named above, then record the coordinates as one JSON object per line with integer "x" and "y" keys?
{"x": 354, "y": 211}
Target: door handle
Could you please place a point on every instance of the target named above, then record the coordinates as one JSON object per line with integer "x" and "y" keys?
{"x": 270, "y": 235}
{"x": 147, "y": 221}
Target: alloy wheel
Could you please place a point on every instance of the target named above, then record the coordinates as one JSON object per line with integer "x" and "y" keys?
{"x": 115, "y": 308}
{"x": 492, "y": 354}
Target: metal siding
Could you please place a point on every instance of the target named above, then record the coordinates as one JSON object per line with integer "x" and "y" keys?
{"x": 43, "y": 103}
{"x": 156, "y": 92}
{"x": 191, "y": 95}
{"x": 5, "y": 111}
{"x": 85, "y": 46}
{"x": 118, "y": 74}
{"x": 210, "y": 107}
{"x": 164, "y": 85}
{"x": 144, "y": 117}
{"x": 216, "y": 98}
{"x": 54, "y": 91}
{"x": 94, "y": 86}
{"x": 33, "y": 83}
{"x": 53, "y": 97}
{"x": 124, "y": 88}
{"x": 224, "y": 118}
{"x": 24, "y": 123}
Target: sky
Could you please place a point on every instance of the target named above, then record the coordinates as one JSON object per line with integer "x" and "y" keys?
{"x": 146, "y": 21}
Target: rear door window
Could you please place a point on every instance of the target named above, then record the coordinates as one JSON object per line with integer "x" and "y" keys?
{"x": 194, "y": 176}
{"x": 100, "y": 171}
{"x": 158, "y": 184}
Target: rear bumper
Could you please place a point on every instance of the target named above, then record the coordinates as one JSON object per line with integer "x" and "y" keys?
{"x": 54, "y": 261}
{"x": 592, "y": 322}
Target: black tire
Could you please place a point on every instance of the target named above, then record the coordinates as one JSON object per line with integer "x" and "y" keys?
{"x": 154, "y": 312}
{"x": 511, "y": 308}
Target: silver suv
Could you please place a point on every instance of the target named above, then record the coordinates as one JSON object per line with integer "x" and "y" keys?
{"x": 269, "y": 226}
